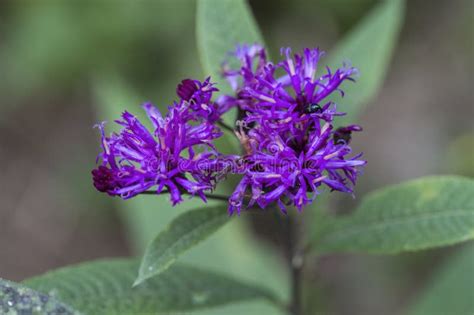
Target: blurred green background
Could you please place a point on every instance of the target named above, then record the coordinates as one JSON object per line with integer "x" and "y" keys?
{"x": 65, "y": 65}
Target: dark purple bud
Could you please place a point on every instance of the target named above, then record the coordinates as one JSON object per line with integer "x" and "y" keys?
{"x": 103, "y": 178}
{"x": 186, "y": 89}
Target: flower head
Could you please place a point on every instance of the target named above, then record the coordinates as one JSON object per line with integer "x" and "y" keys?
{"x": 288, "y": 94}
{"x": 136, "y": 160}
{"x": 197, "y": 96}
{"x": 291, "y": 147}
{"x": 278, "y": 172}
{"x": 253, "y": 59}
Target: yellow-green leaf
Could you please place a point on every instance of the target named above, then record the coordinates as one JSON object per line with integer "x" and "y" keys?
{"x": 419, "y": 214}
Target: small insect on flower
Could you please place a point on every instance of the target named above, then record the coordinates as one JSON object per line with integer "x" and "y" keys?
{"x": 313, "y": 108}
{"x": 291, "y": 146}
{"x": 343, "y": 135}
{"x": 244, "y": 139}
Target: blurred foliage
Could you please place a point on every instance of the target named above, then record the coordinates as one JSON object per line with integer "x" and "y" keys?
{"x": 451, "y": 289}
{"x": 58, "y": 44}
{"x": 346, "y": 15}
{"x": 369, "y": 46}
{"x": 460, "y": 155}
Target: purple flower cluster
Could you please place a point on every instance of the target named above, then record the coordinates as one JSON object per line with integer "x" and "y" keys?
{"x": 289, "y": 145}
{"x": 290, "y": 138}
{"x": 172, "y": 156}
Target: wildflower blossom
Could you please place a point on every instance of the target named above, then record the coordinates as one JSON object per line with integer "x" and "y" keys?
{"x": 284, "y": 100}
{"x": 136, "y": 160}
{"x": 197, "y": 96}
{"x": 280, "y": 173}
{"x": 291, "y": 147}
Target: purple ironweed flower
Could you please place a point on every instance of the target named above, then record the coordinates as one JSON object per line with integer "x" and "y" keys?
{"x": 171, "y": 157}
{"x": 253, "y": 59}
{"x": 288, "y": 92}
{"x": 290, "y": 146}
{"x": 277, "y": 171}
{"x": 197, "y": 96}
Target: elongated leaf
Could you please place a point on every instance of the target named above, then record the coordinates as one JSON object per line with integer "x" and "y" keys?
{"x": 104, "y": 287}
{"x": 369, "y": 47}
{"x": 451, "y": 291}
{"x": 423, "y": 213}
{"x": 187, "y": 230}
{"x": 220, "y": 26}
{"x": 18, "y": 299}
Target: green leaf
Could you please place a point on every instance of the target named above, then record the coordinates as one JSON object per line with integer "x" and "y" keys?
{"x": 451, "y": 291}
{"x": 419, "y": 214}
{"x": 220, "y": 26}
{"x": 18, "y": 299}
{"x": 104, "y": 287}
{"x": 369, "y": 47}
{"x": 184, "y": 232}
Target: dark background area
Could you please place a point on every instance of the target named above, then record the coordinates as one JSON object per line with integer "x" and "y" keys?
{"x": 55, "y": 57}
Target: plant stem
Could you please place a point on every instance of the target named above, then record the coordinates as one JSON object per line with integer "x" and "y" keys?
{"x": 210, "y": 196}
{"x": 225, "y": 126}
{"x": 295, "y": 262}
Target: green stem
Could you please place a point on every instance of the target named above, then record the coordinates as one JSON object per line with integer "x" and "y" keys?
{"x": 225, "y": 126}
{"x": 210, "y": 196}
{"x": 295, "y": 262}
